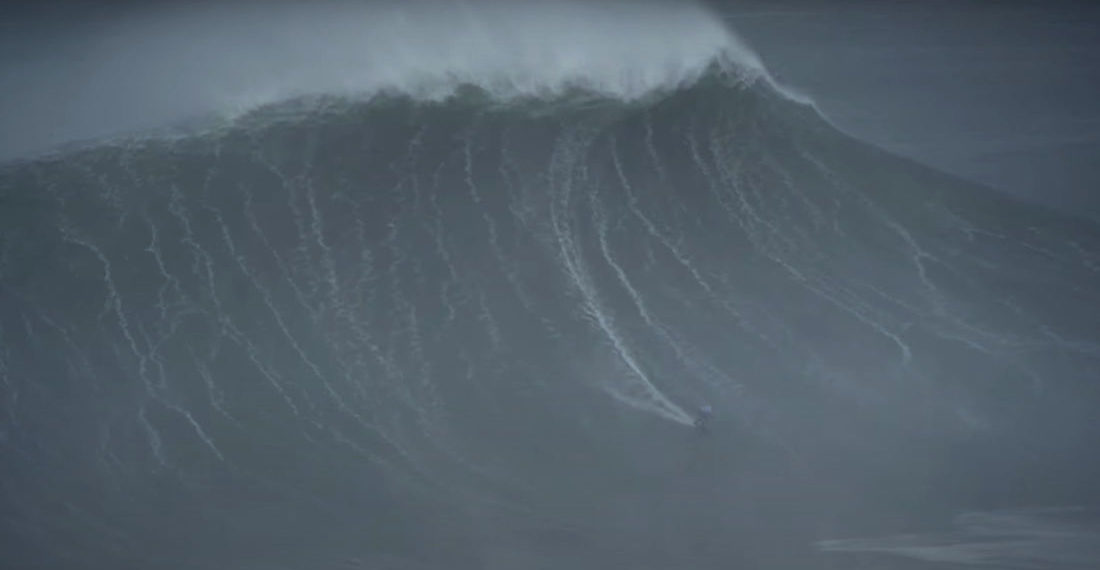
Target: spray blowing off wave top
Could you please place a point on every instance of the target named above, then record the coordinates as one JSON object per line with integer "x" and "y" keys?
{"x": 166, "y": 66}
{"x": 509, "y": 48}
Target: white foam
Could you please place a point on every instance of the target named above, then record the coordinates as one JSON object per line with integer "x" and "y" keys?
{"x": 163, "y": 66}
{"x": 510, "y": 48}
{"x": 1048, "y": 538}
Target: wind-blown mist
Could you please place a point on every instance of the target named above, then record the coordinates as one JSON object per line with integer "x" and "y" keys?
{"x": 161, "y": 67}
{"x": 465, "y": 322}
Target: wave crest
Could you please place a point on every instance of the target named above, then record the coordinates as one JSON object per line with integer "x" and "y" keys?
{"x": 509, "y": 49}
{"x": 163, "y": 66}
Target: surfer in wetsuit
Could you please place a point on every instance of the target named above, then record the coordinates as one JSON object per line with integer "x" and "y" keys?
{"x": 703, "y": 417}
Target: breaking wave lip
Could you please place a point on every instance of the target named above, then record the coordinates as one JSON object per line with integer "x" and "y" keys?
{"x": 201, "y": 63}
{"x": 510, "y": 50}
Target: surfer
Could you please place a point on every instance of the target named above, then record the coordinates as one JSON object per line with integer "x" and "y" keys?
{"x": 703, "y": 417}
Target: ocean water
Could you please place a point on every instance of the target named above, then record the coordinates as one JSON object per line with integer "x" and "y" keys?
{"x": 470, "y": 328}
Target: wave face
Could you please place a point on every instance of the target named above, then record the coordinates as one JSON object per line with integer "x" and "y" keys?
{"x": 472, "y": 333}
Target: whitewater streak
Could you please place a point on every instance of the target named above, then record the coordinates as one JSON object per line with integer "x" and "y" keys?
{"x": 166, "y": 67}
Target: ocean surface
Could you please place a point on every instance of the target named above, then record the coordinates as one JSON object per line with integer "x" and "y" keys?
{"x": 472, "y": 330}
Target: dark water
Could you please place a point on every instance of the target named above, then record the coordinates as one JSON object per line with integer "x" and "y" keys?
{"x": 472, "y": 334}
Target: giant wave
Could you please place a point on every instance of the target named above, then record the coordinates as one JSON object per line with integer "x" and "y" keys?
{"x": 469, "y": 330}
